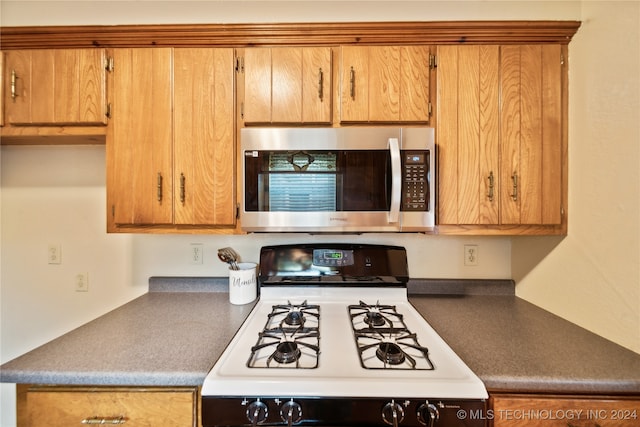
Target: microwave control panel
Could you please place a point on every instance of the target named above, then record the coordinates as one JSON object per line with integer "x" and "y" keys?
{"x": 415, "y": 181}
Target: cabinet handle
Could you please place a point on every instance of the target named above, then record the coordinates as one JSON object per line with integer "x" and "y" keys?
{"x": 14, "y": 77}
{"x": 103, "y": 420}
{"x": 514, "y": 195}
{"x": 491, "y": 186}
{"x": 159, "y": 184}
{"x": 320, "y": 83}
{"x": 352, "y": 84}
{"x": 182, "y": 192}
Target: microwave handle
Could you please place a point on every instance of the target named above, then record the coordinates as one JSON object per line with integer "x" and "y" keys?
{"x": 396, "y": 180}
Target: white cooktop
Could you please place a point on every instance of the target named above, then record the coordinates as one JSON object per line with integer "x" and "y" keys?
{"x": 339, "y": 372}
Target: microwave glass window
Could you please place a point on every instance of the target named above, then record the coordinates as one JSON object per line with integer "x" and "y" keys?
{"x": 356, "y": 180}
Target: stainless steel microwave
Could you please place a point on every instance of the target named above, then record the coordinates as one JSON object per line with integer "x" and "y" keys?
{"x": 355, "y": 179}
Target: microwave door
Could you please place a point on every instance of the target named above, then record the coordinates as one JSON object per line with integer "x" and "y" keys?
{"x": 396, "y": 181}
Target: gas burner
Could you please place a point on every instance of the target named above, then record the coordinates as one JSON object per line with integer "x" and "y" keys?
{"x": 390, "y": 353}
{"x": 374, "y": 318}
{"x": 368, "y": 317}
{"x": 292, "y": 317}
{"x": 286, "y": 352}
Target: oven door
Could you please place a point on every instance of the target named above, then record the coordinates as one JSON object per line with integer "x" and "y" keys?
{"x": 322, "y": 179}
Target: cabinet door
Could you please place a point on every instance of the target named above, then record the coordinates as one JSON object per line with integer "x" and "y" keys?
{"x": 204, "y": 155}
{"x": 287, "y": 85}
{"x": 531, "y": 134}
{"x": 563, "y": 411}
{"x": 257, "y": 85}
{"x": 468, "y": 134}
{"x": 316, "y": 84}
{"x": 56, "y": 87}
{"x": 354, "y": 84}
{"x": 385, "y": 84}
{"x": 139, "y": 138}
{"x": 500, "y": 135}
{"x": 70, "y": 406}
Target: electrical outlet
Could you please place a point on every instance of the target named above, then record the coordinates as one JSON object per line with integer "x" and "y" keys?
{"x": 82, "y": 282}
{"x": 195, "y": 254}
{"x": 54, "y": 253}
{"x": 470, "y": 255}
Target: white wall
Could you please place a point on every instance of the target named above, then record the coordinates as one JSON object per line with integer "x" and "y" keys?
{"x": 57, "y": 195}
{"x": 592, "y": 277}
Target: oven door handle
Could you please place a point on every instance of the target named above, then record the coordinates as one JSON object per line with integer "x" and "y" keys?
{"x": 396, "y": 180}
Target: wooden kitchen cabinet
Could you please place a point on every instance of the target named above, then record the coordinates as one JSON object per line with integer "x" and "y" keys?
{"x": 170, "y": 145}
{"x": 522, "y": 410}
{"x": 55, "y": 87}
{"x": 287, "y": 85}
{"x": 58, "y": 406}
{"x": 501, "y": 135}
{"x": 204, "y": 147}
{"x": 385, "y": 83}
{"x": 139, "y": 138}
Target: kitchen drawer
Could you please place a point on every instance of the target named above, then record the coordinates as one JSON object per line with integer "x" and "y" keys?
{"x": 564, "y": 411}
{"x": 55, "y": 406}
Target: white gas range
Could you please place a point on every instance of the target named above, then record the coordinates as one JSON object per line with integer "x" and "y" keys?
{"x": 333, "y": 340}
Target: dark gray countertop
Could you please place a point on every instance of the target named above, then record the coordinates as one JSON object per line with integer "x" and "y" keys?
{"x": 161, "y": 338}
{"x": 174, "y": 338}
{"x": 515, "y": 346}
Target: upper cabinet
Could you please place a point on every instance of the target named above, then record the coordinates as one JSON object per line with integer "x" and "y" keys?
{"x": 139, "y": 139}
{"x": 500, "y": 126}
{"x": 385, "y": 83}
{"x": 170, "y": 144}
{"x": 495, "y": 91}
{"x": 55, "y": 87}
{"x": 286, "y": 85}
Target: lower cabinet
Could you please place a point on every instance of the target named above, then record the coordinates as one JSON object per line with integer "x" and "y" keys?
{"x": 60, "y": 406}
{"x": 516, "y": 410}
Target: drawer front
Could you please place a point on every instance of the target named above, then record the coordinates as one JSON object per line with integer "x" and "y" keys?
{"x": 517, "y": 411}
{"x": 131, "y": 407}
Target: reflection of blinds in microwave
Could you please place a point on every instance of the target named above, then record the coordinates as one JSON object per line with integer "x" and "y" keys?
{"x": 302, "y": 192}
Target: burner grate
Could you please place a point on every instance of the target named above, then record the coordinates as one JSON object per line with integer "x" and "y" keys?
{"x": 384, "y": 341}
{"x": 289, "y": 339}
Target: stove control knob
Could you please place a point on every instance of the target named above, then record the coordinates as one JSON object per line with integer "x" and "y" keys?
{"x": 291, "y": 412}
{"x": 393, "y": 413}
{"x": 428, "y": 414}
{"x": 257, "y": 412}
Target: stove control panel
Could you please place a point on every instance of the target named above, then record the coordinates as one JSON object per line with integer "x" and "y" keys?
{"x": 345, "y": 411}
{"x": 332, "y": 257}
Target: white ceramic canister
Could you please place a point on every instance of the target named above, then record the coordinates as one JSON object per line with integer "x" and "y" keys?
{"x": 243, "y": 286}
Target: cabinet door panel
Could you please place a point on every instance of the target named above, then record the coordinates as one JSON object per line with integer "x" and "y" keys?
{"x": 489, "y": 138}
{"x": 257, "y": 83}
{"x": 139, "y": 141}
{"x": 204, "y": 146}
{"x": 447, "y": 135}
{"x": 58, "y": 87}
{"x": 559, "y": 411}
{"x": 18, "y": 64}
{"x": 316, "y": 85}
{"x": 531, "y": 88}
{"x": 414, "y": 83}
{"x": 468, "y": 134}
{"x": 468, "y": 129}
{"x": 551, "y": 192}
{"x": 510, "y": 133}
{"x": 354, "y": 83}
{"x": 286, "y": 85}
{"x": 135, "y": 408}
{"x": 384, "y": 83}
